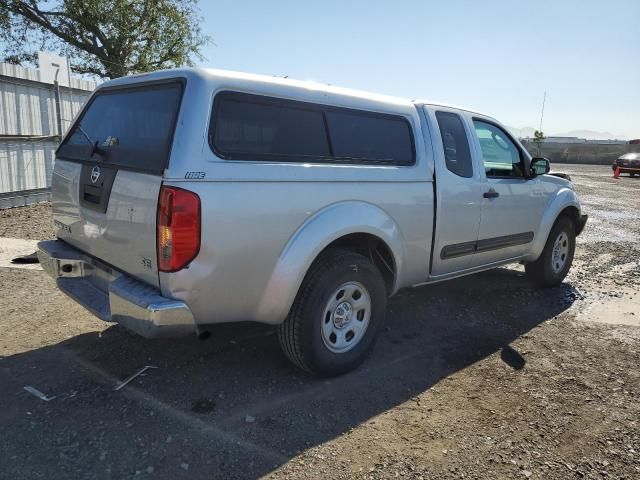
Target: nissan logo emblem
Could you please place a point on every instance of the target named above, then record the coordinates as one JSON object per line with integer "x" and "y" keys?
{"x": 95, "y": 174}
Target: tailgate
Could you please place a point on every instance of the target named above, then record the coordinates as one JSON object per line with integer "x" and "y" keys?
{"x": 108, "y": 173}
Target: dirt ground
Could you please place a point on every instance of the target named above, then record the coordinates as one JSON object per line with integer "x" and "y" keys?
{"x": 482, "y": 377}
{"x": 32, "y": 223}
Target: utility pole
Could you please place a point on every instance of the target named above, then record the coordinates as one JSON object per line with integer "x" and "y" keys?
{"x": 544, "y": 98}
{"x": 56, "y": 93}
{"x": 70, "y": 88}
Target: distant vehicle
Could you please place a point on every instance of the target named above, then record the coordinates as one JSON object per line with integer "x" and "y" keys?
{"x": 628, "y": 163}
{"x": 186, "y": 198}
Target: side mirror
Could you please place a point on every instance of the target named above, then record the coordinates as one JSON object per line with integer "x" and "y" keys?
{"x": 539, "y": 166}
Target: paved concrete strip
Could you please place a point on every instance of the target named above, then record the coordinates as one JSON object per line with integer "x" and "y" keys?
{"x": 624, "y": 310}
{"x": 15, "y": 247}
{"x": 179, "y": 415}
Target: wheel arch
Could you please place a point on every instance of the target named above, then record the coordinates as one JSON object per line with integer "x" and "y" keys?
{"x": 372, "y": 247}
{"x": 354, "y": 225}
{"x": 565, "y": 203}
{"x": 573, "y": 214}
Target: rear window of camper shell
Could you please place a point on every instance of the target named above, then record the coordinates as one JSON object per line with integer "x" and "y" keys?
{"x": 130, "y": 127}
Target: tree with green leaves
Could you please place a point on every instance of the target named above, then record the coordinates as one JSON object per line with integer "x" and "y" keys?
{"x": 107, "y": 38}
{"x": 538, "y": 138}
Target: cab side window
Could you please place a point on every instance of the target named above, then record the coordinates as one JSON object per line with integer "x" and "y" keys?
{"x": 457, "y": 155}
{"x": 500, "y": 155}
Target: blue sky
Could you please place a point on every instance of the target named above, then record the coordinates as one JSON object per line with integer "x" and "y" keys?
{"x": 494, "y": 56}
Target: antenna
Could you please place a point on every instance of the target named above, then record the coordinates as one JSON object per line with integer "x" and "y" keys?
{"x": 544, "y": 99}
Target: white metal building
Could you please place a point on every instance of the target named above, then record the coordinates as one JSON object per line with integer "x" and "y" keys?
{"x": 29, "y": 130}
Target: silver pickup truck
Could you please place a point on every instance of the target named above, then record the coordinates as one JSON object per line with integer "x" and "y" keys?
{"x": 186, "y": 198}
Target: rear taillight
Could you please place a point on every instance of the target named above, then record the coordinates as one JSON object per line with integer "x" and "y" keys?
{"x": 178, "y": 227}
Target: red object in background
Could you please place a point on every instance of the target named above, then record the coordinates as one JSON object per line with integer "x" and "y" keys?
{"x": 634, "y": 142}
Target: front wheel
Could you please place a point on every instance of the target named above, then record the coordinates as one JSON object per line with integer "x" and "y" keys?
{"x": 337, "y": 314}
{"x": 556, "y": 258}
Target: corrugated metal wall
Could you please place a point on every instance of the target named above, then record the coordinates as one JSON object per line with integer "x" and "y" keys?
{"x": 25, "y": 165}
{"x": 28, "y": 126}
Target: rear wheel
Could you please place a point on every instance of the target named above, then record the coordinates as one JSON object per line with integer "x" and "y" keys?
{"x": 556, "y": 258}
{"x": 632, "y": 174}
{"x": 336, "y": 316}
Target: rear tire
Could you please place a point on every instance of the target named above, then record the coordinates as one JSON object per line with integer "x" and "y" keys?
{"x": 336, "y": 316}
{"x": 556, "y": 258}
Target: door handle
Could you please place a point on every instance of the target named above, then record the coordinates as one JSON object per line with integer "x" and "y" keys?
{"x": 491, "y": 194}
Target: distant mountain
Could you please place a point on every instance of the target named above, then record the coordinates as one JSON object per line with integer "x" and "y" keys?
{"x": 525, "y": 132}
{"x": 522, "y": 132}
{"x": 592, "y": 135}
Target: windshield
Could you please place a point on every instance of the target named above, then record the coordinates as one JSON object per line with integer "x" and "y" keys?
{"x": 130, "y": 127}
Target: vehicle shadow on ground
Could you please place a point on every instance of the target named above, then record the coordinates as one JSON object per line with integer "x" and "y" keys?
{"x": 232, "y": 406}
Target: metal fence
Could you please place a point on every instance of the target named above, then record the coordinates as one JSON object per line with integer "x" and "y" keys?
{"x": 29, "y": 127}
{"x": 586, "y": 153}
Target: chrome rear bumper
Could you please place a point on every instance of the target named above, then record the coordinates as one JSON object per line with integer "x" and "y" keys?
{"x": 112, "y": 295}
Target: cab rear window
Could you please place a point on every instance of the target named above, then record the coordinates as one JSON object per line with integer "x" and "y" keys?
{"x": 127, "y": 127}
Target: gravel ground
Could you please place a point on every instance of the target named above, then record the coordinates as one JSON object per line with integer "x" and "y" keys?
{"x": 481, "y": 377}
{"x": 31, "y": 223}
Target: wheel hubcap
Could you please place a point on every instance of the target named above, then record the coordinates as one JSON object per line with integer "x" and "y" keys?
{"x": 346, "y": 317}
{"x": 560, "y": 252}
{"x": 342, "y": 315}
